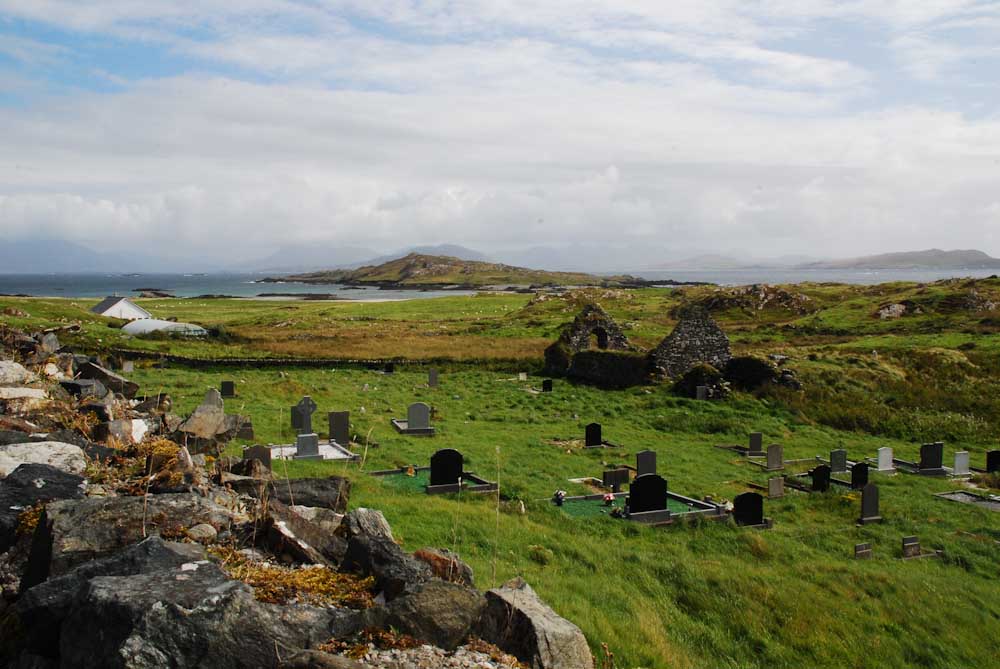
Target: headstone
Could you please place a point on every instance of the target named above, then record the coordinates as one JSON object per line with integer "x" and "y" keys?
{"x": 820, "y": 478}
{"x": 522, "y": 376}
{"x": 262, "y": 453}
{"x": 701, "y": 393}
{"x": 961, "y": 464}
{"x": 748, "y": 509}
{"x": 305, "y": 408}
{"x": 296, "y": 419}
{"x": 307, "y": 446}
{"x": 615, "y": 479}
{"x": 547, "y": 385}
{"x": 862, "y": 551}
{"x": 647, "y": 493}
{"x": 885, "y": 459}
{"x": 992, "y": 461}
{"x": 776, "y": 487}
{"x": 340, "y": 427}
{"x": 756, "y": 443}
{"x": 128, "y": 367}
{"x": 593, "y": 435}
{"x": 932, "y": 456}
{"x": 645, "y": 462}
{"x": 838, "y": 460}
{"x": 859, "y": 476}
{"x": 390, "y": 368}
{"x": 775, "y": 457}
{"x": 228, "y": 389}
{"x": 446, "y": 467}
{"x": 869, "y": 505}
{"x": 418, "y": 416}
{"x": 911, "y": 547}
{"x": 432, "y": 378}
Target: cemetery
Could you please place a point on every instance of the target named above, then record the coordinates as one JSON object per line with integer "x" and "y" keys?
{"x": 839, "y": 473}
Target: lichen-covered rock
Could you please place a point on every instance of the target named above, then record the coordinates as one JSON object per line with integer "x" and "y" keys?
{"x": 520, "y": 623}
{"x": 437, "y": 612}
{"x": 67, "y": 457}
{"x": 395, "y": 571}
{"x": 446, "y": 565}
{"x": 28, "y": 485}
{"x": 14, "y": 373}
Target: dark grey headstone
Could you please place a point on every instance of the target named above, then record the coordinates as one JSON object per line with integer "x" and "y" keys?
{"x": 228, "y": 389}
{"x": 446, "y": 467}
{"x": 756, "y": 443}
{"x": 838, "y": 461}
{"x": 911, "y": 547}
{"x": 262, "y": 453}
{"x": 992, "y": 461}
{"x": 775, "y": 457}
{"x": 869, "y": 505}
{"x": 862, "y": 551}
{"x": 932, "y": 455}
{"x": 820, "y": 478}
{"x": 546, "y": 385}
{"x": 296, "y": 419}
{"x": 418, "y": 416}
{"x": 859, "y": 475}
{"x": 701, "y": 393}
{"x": 748, "y": 509}
{"x": 647, "y": 493}
{"x": 593, "y": 435}
{"x": 307, "y": 446}
{"x": 615, "y": 479}
{"x": 305, "y": 407}
{"x": 432, "y": 378}
{"x": 776, "y": 487}
{"x": 340, "y": 427}
{"x": 390, "y": 368}
{"x": 645, "y": 462}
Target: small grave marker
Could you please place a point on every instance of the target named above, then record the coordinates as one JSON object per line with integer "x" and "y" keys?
{"x": 775, "y": 457}
{"x": 756, "y": 444}
{"x": 961, "y": 464}
{"x": 262, "y": 453}
{"x": 838, "y": 461}
{"x": 418, "y": 416}
{"x": 307, "y": 447}
{"x": 228, "y": 389}
{"x": 885, "y": 460}
{"x": 911, "y": 547}
{"x": 645, "y": 462}
{"x": 748, "y": 509}
{"x": 340, "y": 427}
{"x": 701, "y": 393}
{"x": 128, "y": 367}
{"x": 647, "y": 493}
{"x": 992, "y": 461}
{"x": 862, "y": 551}
{"x": 593, "y": 436}
{"x": 522, "y": 376}
{"x": 547, "y": 385}
{"x": 615, "y": 479}
{"x": 776, "y": 487}
{"x": 859, "y": 475}
{"x": 869, "y": 505}
{"x": 820, "y": 478}
{"x": 432, "y": 378}
{"x": 446, "y": 467}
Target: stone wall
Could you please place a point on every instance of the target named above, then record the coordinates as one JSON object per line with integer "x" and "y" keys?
{"x": 696, "y": 339}
{"x": 592, "y": 325}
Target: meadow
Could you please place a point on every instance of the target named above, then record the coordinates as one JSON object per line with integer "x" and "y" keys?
{"x": 701, "y": 595}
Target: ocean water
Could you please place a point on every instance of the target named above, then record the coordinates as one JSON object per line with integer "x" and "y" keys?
{"x": 243, "y": 285}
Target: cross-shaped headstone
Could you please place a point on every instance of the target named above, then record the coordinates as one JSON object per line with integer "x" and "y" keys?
{"x": 306, "y": 407}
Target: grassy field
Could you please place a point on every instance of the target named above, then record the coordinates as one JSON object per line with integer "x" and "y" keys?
{"x": 708, "y": 595}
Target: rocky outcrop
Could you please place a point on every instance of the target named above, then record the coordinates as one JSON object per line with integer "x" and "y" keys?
{"x": 28, "y": 485}
{"x": 67, "y": 457}
{"x": 209, "y": 427}
{"x": 439, "y": 612}
{"x": 14, "y": 374}
{"x": 110, "y": 380}
{"x": 518, "y": 621}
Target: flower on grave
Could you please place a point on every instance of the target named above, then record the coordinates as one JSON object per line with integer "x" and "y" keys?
{"x": 558, "y": 496}
{"x": 410, "y": 471}
{"x": 609, "y": 498}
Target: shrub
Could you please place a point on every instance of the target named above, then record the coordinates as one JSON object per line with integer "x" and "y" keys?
{"x": 749, "y": 372}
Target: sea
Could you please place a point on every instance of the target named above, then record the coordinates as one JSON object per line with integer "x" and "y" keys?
{"x": 247, "y": 285}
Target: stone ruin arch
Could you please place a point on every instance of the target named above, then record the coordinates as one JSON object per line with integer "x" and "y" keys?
{"x": 592, "y": 327}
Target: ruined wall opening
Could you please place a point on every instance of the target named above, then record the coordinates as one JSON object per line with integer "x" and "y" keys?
{"x": 599, "y": 339}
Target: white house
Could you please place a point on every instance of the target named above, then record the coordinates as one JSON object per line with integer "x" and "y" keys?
{"x": 120, "y": 307}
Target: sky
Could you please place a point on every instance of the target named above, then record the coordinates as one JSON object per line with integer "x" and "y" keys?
{"x": 228, "y": 129}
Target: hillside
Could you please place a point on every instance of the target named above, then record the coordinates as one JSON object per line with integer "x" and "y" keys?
{"x": 929, "y": 259}
{"x": 418, "y": 270}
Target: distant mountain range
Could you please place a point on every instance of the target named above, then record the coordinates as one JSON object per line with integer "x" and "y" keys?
{"x": 929, "y": 259}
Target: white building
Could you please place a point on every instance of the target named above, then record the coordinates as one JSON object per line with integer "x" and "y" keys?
{"x": 147, "y": 325}
{"x": 120, "y": 307}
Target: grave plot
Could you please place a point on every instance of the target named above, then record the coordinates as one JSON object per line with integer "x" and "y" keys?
{"x": 417, "y": 423}
{"x": 992, "y": 463}
{"x": 931, "y": 462}
{"x": 307, "y": 444}
{"x": 446, "y": 474}
{"x": 593, "y": 438}
{"x": 991, "y": 502}
{"x": 647, "y": 501}
{"x": 754, "y": 449}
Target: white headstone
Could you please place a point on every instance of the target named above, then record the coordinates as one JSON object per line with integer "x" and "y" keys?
{"x": 885, "y": 460}
{"x": 522, "y": 376}
{"x": 961, "y": 463}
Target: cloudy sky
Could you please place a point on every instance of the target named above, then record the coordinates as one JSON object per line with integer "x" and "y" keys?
{"x": 683, "y": 126}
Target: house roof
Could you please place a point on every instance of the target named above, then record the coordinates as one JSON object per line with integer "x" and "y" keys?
{"x": 109, "y": 302}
